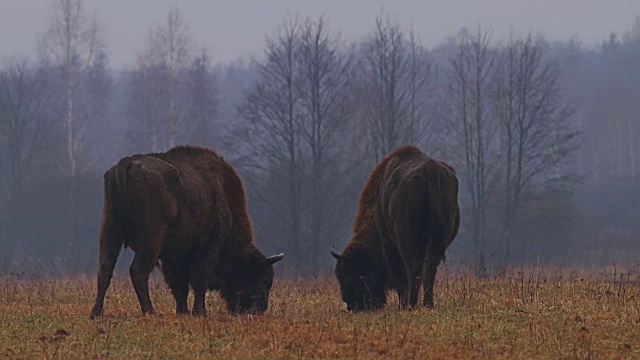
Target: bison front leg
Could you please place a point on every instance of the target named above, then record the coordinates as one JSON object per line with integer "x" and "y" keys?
{"x": 140, "y": 269}
{"x": 109, "y": 250}
{"x": 201, "y": 269}
{"x": 199, "y": 285}
{"x": 176, "y": 274}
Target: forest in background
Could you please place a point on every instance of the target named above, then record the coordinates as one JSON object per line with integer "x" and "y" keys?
{"x": 543, "y": 134}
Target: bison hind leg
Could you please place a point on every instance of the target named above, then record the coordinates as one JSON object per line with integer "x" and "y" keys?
{"x": 404, "y": 295}
{"x": 408, "y": 288}
{"x": 431, "y": 262}
{"x": 109, "y": 250}
{"x": 176, "y": 274}
{"x": 409, "y": 296}
{"x": 139, "y": 270}
{"x": 412, "y": 255}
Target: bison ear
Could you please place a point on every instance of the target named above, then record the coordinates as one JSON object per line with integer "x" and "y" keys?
{"x": 273, "y": 259}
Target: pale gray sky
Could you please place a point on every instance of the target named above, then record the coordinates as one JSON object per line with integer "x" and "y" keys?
{"x": 234, "y": 28}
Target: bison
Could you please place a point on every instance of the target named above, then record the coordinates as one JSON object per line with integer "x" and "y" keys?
{"x": 407, "y": 216}
{"x": 186, "y": 209}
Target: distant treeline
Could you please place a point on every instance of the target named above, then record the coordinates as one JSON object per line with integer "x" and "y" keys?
{"x": 544, "y": 135}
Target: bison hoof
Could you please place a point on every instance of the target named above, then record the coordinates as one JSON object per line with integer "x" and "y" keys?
{"x": 95, "y": 313}
{"x": 199, "y": 312}
{"x": 182, "y": 312}
{"x": 429, "y": 305}
{"x": 148, "y": 312}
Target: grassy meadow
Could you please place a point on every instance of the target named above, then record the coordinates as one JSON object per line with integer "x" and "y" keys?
{"x": 538, "y": 314}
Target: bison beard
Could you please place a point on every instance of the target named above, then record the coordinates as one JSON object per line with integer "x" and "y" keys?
{"x": 407, "y": 216}
{"x": 186, "y": 209}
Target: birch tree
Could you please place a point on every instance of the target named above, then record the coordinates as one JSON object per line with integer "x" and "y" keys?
{"x": 175, "y": 41}
{"x": 68, "y": 48}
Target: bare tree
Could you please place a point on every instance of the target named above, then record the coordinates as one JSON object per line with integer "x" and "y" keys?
{"x": 383, "y": 64}
{"x": 395, "y": 74}
{"x": 294, "y": 122}
{"x": 148, "y": 96}
{"x": 69, "y": 48}
{"x": 270, "y": 135}
{"x": 471, "y": 81}
{"x": 159, "y": 81}
{"x": 203, "y": 99}
{"x": 633, "y": 34}
{"x": 175, "y": 41}
{"x": 324, "y": 85}
{"x": 420, "y": 79}
{"x": 25, "y": 122}
{"x": 535, "y": 131}
{"x": 94, "y": 93}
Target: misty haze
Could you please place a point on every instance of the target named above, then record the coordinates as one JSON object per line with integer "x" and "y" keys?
{"x": 541, "y": 126}
{"x": 528, "y": 113}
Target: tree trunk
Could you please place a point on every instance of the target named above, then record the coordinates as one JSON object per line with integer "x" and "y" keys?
{"x": 71, "y": 154}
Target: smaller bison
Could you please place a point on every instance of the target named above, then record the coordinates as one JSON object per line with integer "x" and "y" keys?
{"x": 186, "y": 209}
{"x": 407, "y": 216}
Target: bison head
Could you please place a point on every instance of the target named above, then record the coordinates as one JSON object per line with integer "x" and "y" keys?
{"x": 362, "y": 284}
{"x": 248, "y": 291}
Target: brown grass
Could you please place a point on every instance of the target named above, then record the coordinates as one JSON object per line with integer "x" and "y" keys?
{"x": 517, "y": 316}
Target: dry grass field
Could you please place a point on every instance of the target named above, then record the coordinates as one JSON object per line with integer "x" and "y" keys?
{"x": 526, "y": 316}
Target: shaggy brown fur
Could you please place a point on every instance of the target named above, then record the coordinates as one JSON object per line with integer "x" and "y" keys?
{"x": 185, "y": 208}
{"x": 407, "y": 216}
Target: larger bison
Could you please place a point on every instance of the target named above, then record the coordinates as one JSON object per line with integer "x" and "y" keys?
{"x": 185, "y": 208}
{"x": 407, "y": 216}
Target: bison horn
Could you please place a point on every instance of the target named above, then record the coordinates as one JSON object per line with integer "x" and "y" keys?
{"x": 336, "y": 254}
{"x": 273, "y": 259}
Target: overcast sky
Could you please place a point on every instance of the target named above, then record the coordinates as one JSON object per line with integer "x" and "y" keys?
{"x": 234, "y": 28}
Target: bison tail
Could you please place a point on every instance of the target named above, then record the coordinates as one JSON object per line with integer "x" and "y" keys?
{"x": 122, "y": 191}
